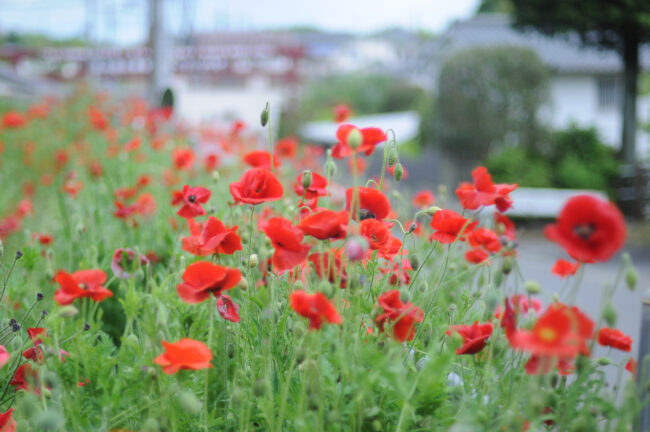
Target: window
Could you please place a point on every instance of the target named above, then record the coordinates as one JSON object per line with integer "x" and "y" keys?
{"x": 610, "y": 92}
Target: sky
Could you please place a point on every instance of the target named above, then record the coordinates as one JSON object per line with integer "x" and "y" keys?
{"x": 125, "y": 21}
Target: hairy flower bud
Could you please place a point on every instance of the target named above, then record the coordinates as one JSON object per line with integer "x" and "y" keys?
{"x": 609, "y": 314}
{"x": 414, "y": 261}
{"x": 2, "y": 249}
{"x": 532, "y": 287}
{"x": 264, "y": 117}
{"x": 189, "y": 402}
{"x": 355, "y": 139}
{"x": 432, "y": 210}
{"x": 398, "y": 173}
{"x": 506, "y": 268}
{"x": 392, "y": 157}
{"x": 150, "y": 425}
{"x": 68, "y": 311}
{"x": 330, "y": 168}
{"x": 631, "y": 277}
{"x": 306, "y": 178}
{"x": 253, "y": 261}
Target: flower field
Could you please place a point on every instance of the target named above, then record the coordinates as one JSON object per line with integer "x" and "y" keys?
{"x": 157, "y": 277}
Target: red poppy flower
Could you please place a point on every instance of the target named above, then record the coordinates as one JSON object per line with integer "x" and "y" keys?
{"x": 202, "y": 278}
{"x": 184, "y": 354}
{"x": 13, "y": 119}
{"x": 476, "y": 255}
{"x": 559, "y": 332}
{"x": 483, "y": 192}
{"x": 474, "y": 336}
{"x": 521, "y": 304}
{"x": 286, "y": 147}
{"x": 211, "y": 162}
{"x": 256, "y": 186}
{"x": 614, "y": 338}
{"x": 228, "y": 309}
{"x": 341, "y": 113}
{"x": 44, "y": 239}
{"x": 325, "y": 224}
{"x": 564, "y": 268}
{"x": 211, "y": 237}
{"x": 287, "y": 241}
{"x": 537, "y": 365}
{"x": 4, "y": 356}
{"x": 80, "y": 284}
{"x": 7, "y": 423}
{"x": 316, "y": 307}
{"x": 631, "y": 366}
{"x": 318, "y": 186}
{"x": 192, "y": 198}
{"x": 329, "y": 265}
{"x": 183, "y": 158}
{"x": 72, "y": 187}
{"x": 372, "y": 204}
{"x": 588, "y": 228}
{"x": 399, "y": 274}
{"x": 370, "y": 137}
{"x": 134, "y": 144}
{"x": 97, "y": 118}
{"x": 35, "y": 353}
{"x": 261, "y": 159}
{"x": 423, "y": 198}
{"x": 404, "y": 316}
{"x": 450, "y": 226}
{"x": 26, "y": 378}
{"x": 485, "y": 238}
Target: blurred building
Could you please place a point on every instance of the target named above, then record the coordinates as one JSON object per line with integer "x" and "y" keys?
{"x": 586, "y": 84}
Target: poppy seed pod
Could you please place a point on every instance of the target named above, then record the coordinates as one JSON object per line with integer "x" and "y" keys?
{"x": 392, "y": 157}
{"x": 532, "y": 287}
{"x": 306, "y": 179}
{"x": 242, "y": 284}
{"x": 254, "y": 261}
{"x": 355, "y": 139}
{"x": 399, "y": 171}
{"x": 264, "y": 117}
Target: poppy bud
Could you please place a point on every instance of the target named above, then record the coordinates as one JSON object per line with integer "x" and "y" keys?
{"x": 414, "y": 261}
{"x": 581, "y": 424}
{"x": 29, "y": 404}
{"x": 627, "y": 259}
{"x": 242, "y": 284}
{"x": 264, "y": 117}
{"x": 330, "y": 168}
{"x": 298, "y": 285}
{"x": 260, "y": 387}
{"x": 398, "y": 172}
{"x": 2, "y": 249}
{"x": 412, "y": 227}
{"x": 253, "y": 261}
{"x": 301, "y": 355}
{"x": 51, "y": 380}
{"x": 506, "y": 267}
{"x": 392, "y": 157}
{"x": 49, "y": 420}
{"x": 355, "y": 139}
{"x": 133, "y": 342}
{"x": 230, "y": 350}
{"x": 68, "y": 311}
{"x": 150, "y": 425}
{"x": 215, "y": 176}
{"x": 237, "y": 396}
{"x": 376, "y": 426}
{"x": 532, "y": 287}
{"x": 631, "y": 277}
{"x": 491, "y": 300}
{"x": 452, "y": 308}
{"x": 498, "y": 278}
{"x": 326, "y": 288}
{"x": 306, "y": 178}
{"x": 604, "y": 361}
{"x": 19, "y": 254}
{"x": 356, "y": 249}
{"x": 610, "y": 315}
{"x": 189, "y": 402}
{"x": 432, "y": 210}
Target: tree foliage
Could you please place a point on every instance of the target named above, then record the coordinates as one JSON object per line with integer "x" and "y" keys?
{"x": 489, "y": 96}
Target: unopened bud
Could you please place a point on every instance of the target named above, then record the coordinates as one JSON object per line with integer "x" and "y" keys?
{"x": 398, "y": 173}
{"x": 264, "y": 117}
{"x": 306, "y": 179}
{"x": 532, "y": 287}
{"x": 506, "y": 268}
{"x": 326, "y": 288}
{"x": 242, "y": 284}
{"x": 68, "y": 311}
{"x": 49, "y": 420}
{"x": 2, "y": 249}
{"x": 19, "y": 255}
{"x": 189, "y": 402}
{"x": 253, "y": 261}
{"x": 298, "y": 285}
{"x": 260, "y": 388}
{"x": 631, "y": 277}
{"x": 604, "y": 361}
{"x": 356, "y": 249}
{"x": 412, "y": 227}
{"x": 392, "y": 157}
{"x": 609, "y": 314}
{"x": 215, "y": 176}
{"x": 354, "y": 139}
{"x": 330, "y": 167}
{"x": 414, "y": 261}
{"x": 150, "y": 425}
{"x": 432, "y": 210}
{"x": 133, "y": 342}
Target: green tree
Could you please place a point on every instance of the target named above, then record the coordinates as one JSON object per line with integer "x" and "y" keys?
{"x": 487, "y": 97}
{"x": 622, "y": 25}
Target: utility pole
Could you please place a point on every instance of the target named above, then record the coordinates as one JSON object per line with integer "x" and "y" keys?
{"x": 161, "y": 49}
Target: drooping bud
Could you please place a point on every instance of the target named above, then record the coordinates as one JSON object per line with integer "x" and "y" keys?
{"x": 189, "y": 402}
{"x": 253, "y": 261}
{"x": 414, "y": 261}
{"x": 260, "y": 387}
{"x": 412, "y": 227}
{"x": 355, "y": 139}
{"x": 610, "y": 315}
{"x": 631, "y": 277}
{"x": 306, "y": 179}
{"x": 68, "y": 311}
{"x": 506, "y": 268}
{"x": 392, "y": 157}
{"x": 604, "y": 361}
{"x": 532, "y": 287}
{"x": 398, "y": 173}
{"x": 432, "y": 210}
{"x": 264, "y": 117}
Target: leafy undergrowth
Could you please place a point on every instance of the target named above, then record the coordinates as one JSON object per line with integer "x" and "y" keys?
{"x": 162, "y": 278}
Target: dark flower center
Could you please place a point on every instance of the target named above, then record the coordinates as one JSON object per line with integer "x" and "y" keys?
{"x": 584, "y": 231}
{"x": 191, "y": 198}
{"x": 366, "y": 214}
{"x": 83, "y": 286}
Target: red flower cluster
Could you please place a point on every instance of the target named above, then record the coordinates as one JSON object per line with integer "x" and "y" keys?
{"x": 614, "y": 338}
